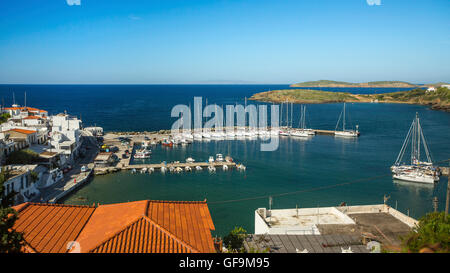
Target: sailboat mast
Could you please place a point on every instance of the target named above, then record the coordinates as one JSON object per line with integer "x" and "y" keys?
{"x": 418, "y": 138}
{"x": 343, "y": 121}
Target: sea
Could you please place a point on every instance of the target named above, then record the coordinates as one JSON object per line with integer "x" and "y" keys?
{"x": 314, "y": 172}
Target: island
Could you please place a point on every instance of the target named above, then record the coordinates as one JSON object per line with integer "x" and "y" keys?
{"x": 439, "y": 99}
{"x": 375, "y": 84}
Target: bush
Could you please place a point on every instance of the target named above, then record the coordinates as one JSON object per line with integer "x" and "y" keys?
{"x": 23, "y": 157}
{"x": 430, "y": 235}
{"x": 234, "y": 241}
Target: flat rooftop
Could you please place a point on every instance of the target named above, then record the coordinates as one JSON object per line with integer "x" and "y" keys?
{"x": 288, "y": 229}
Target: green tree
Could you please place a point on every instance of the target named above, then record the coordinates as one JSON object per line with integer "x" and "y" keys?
{"x": 10, "y": 240}
{"x": 234, "y": 241}
{"x": 4, "y": 117}
{"x": 432, "y": 234}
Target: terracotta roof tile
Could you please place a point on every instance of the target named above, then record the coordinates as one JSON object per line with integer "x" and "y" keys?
{"x": 41, "y": 222}
{"x": 32, "y": 117}
{"x": 23, "y": 131}
{"x": 140, "y": 226}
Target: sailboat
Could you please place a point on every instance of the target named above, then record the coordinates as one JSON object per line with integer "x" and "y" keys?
{"x": 417, "y": 170}
{"x": 345, "y": 133}
{"x": 302, "y": 131}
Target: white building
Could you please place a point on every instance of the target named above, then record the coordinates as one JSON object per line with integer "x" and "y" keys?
{"x": 305, "y": 221}
{"x": 446, "y": 86}
{"x": 21, "y": 181}
{"x": 65, "y": 135}
{"x": 431, "y": 89}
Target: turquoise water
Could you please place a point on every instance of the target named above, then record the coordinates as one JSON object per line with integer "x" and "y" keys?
{"x": 298, "y": 165}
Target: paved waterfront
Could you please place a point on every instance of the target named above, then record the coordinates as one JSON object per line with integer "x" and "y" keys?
{"x": 74, "y": 176}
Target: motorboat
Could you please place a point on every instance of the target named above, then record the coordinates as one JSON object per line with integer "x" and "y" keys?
{"x": 167, "y": 143}
{"x": 211, "y": 168}
{"x": 142, "y": 154}
{"x": 219, "y": 157}
{"x": 190, "y": 160}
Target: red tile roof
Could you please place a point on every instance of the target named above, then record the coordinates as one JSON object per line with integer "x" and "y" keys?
{"x": 141, "y": 226}
{"x": 31, "y": 109}
{"x": 48, "y": 228}
{"x": 23, "y": 131}
{"x": 32, "y": 117}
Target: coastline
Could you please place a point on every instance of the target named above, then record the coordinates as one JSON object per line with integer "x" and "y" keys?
{"x": 308, "y": 96}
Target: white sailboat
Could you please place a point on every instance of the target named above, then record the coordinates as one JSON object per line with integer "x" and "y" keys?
{"x": 345, "y": 133}
{"x": 301, "y": 132}
{"x": 417, "y": 170}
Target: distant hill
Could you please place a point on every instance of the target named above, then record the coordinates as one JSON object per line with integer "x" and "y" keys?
{"x": 439, "y": 99}
{"x": 328, "y": 83}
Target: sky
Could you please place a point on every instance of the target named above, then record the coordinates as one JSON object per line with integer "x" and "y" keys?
{"x": 236, "y": 42}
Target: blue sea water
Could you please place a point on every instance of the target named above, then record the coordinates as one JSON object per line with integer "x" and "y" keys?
{"x": 320, "y": 171}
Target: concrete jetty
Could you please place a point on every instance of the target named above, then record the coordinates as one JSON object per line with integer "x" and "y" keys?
{"x": 180, "y": 164}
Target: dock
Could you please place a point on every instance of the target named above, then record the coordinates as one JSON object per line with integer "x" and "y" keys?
{"x": 181, "y": 165}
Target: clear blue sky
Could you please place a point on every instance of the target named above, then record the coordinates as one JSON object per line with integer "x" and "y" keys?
{"x": 257, "y": 41}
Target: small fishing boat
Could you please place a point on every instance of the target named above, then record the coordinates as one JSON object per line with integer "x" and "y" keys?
{"x": 198, "y": 168}
{"x": 178, "y": 169}
{"x": 228, "y": 159}
{"x": 151, "y": 170}
{"x": 133, "y": 170}
{"x": 190, "y": 160}
{"x": 187, "y": 169}
{"x": 163, "y": 169}
{"x": 211, "y": 168}
{"x": 171, "y": 169}
{"x": 225, "y": 167}
{"x": 219, "y": 157}
{"x": 240, "y": 167}
{"x": 143, "y": 170}
{"x": 211, "y": 159}
{"x": 167, "y": 143}
{"x": 142, "y": 154}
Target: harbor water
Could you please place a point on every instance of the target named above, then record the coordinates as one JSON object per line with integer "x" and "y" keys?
{"x": 318, "y": 171}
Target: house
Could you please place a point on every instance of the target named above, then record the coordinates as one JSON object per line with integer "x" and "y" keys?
{"x": 6, "y": 146}
{"x": 22, "y": 137}
{"x": 134, "y": 227}
{"x": 104, "y": 159}
{"x": 20, "y": 180}
{"x": 431, "y": 89}
{"x": 446, "y": 86}
{"x": 17, "y": 111}
{"x": 65, "y": 135}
